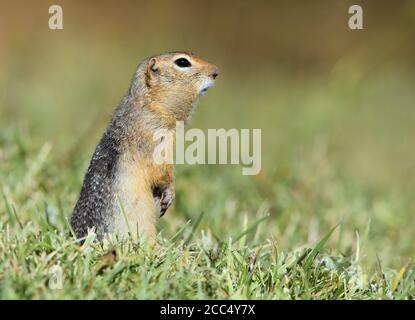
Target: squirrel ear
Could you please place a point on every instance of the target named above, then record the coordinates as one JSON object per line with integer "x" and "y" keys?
{"x": 151, "y": 71}
{"x": 152, "y": 65}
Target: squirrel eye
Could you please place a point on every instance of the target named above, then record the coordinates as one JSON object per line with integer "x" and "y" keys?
{"x": 182, "y": 63}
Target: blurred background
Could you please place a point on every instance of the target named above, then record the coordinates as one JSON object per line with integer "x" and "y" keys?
{"x": 336, "y": 107}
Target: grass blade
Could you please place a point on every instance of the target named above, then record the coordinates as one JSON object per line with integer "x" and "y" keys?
{"x": 320, "y": 245}
{"x": 250, "y": 228}
{"x": 199, "y": 218}
{"x": 179, "y": 233}
{"x": 399, "y": 276}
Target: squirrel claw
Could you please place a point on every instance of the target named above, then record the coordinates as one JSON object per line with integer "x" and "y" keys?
{"x": 162, "y": 211}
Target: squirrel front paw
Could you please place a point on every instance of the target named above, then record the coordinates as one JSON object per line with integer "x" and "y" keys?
{"x": 165, "y": 197}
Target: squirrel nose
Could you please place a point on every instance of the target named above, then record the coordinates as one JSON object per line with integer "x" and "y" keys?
{"x": 215, "y": 72}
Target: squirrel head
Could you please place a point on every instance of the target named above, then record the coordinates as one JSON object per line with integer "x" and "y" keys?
{"x": 173, "y": 81}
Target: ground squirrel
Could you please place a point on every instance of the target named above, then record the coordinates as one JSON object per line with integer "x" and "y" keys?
{"x": 123, "y": 184}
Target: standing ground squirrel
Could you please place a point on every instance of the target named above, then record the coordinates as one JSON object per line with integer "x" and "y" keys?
{"x": 123, "y": 184}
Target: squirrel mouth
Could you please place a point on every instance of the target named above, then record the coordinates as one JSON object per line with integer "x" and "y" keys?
{"x": 206, "y": 87}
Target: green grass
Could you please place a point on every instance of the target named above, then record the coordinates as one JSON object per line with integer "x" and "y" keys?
{"x": 303, "y": 234}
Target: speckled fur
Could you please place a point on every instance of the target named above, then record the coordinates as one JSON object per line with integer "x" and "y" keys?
{"x": 123, "y": 184}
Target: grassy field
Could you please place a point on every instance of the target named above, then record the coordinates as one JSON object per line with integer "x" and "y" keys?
{"x": 330, "y": 216}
